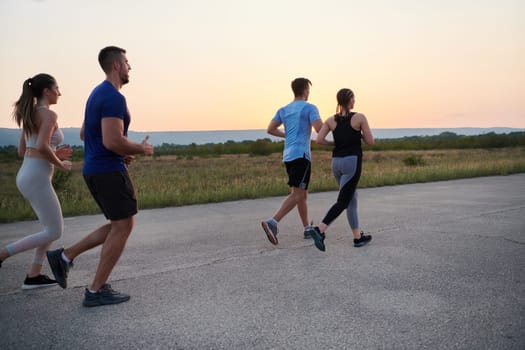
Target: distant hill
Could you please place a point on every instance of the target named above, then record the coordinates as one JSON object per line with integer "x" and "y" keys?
{"x": 71, "y": 135}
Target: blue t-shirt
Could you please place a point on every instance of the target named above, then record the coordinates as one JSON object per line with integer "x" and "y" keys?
{"x": 105, "y": 101}
{"x": 297, "y": 118}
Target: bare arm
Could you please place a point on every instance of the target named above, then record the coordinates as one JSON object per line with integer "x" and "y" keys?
{"x": 22, "y": 145}
{"x": 325, "y": 129}
{"x": 318, "y": 124}
{"x": 273, "y": 129}
{"x": 368, "y": 138}
{"x": 48, "y": 122}
{"x": 64, "y": 152}
{"x": 113, "y": 139}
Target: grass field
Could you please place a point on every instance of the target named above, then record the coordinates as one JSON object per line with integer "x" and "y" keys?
{"x": 171, "y": 181}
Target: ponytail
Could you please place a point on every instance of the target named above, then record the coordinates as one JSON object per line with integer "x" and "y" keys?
{"x": 343, "y": 98}
{"x": 24, "y": 108}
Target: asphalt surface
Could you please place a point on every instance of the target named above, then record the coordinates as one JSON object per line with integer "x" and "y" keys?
{"x": 445, "y": 270}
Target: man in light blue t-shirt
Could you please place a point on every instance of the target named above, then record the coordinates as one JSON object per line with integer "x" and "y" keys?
{"x": 298, "y": 117}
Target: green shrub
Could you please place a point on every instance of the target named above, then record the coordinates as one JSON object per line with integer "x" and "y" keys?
{"x": 414, "y": 160}
{"x": 60, "y": 179}
{"x": 261, "y": 148}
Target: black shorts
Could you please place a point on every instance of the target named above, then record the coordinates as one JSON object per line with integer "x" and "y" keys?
{"x": 298, "y": 173}
{"x": 114, "y": 194}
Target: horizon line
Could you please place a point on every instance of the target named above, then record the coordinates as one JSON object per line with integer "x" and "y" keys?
{"x": 227, "y": 130}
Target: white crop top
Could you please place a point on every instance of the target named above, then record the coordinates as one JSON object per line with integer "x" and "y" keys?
{"x": 56, "y": 139}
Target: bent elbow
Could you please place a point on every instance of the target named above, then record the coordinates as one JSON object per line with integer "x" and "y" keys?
{"x": 369, "y": 141}
{"x": 109, "y": 145}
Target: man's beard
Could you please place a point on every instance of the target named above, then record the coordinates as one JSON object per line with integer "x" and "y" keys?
{"x": 124, "y": 79}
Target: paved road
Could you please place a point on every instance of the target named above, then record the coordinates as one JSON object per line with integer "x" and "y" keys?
{"x": 445, "y": 270}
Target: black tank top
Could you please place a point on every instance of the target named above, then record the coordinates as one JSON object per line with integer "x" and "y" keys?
{"x": 347, "y": 140}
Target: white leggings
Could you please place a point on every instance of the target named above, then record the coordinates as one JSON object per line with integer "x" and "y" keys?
{"x": 34, "y": 182}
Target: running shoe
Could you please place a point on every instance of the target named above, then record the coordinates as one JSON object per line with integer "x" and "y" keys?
{"x": 59, "y": 267}
{"x": 40, "y": 281}
{"x": 271, "y": 231}
{"x": 318, "y": 238}
{"x": 104, "y": 296}
{"x": 364, "y": 239}
{"x": 307, "y": 234}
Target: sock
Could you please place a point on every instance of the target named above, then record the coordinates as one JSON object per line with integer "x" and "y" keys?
{"x": 92, "y": 292}
{"x": 307, "y": 227}
{"x": 64, "y": 257}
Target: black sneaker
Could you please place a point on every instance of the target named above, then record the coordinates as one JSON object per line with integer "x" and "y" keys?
{"x": 59, "y": 267}
{"x": 0, "y": 263}
{"x": 40, "y": 281}
{"x": 318, "y": 238}
{"x": 364, "y": 239}
{"x": 104, "y": 296}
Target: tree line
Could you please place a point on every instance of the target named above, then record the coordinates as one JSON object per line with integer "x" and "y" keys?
{"x": 261, "y": 147}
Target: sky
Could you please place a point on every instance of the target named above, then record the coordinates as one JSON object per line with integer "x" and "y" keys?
{"x": 228, "y": 64}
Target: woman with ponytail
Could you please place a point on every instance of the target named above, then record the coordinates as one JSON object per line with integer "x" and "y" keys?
{"x": 348, "y": 129}
{"x": 39, "y": 139}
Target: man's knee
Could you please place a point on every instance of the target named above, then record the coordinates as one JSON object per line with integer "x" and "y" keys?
{"x": 299, "y": 194}
{"x": 123, "y": 226}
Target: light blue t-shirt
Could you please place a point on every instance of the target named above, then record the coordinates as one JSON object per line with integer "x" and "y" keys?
{"x": 297, "y": 118}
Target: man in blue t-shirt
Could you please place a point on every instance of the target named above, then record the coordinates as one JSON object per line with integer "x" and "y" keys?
{"x": 298, "y": 117}
{"x": 107, "y": 153}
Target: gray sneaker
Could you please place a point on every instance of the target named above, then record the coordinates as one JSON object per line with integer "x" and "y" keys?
{"x": 307, "y": 234}
{"x": 59, "y": 267}
{"x": 104, "y": 296}
{"x": 271, "y": 231}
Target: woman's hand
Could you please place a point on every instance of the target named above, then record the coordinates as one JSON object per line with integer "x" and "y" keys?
{"x": 64, "y": 152}
{"x": 66, "y": 165}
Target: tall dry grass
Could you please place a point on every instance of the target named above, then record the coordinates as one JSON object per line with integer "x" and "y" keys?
{"x": 170, "y": 181}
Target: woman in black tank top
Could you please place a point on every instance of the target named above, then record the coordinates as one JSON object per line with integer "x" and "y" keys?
{"x": 348, "y": 129}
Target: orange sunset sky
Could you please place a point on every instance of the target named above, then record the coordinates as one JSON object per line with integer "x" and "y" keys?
{"x": 228, "y": 64}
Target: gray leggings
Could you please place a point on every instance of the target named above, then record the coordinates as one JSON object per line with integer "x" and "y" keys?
{"x": 347, "y": 171}
{"x": 34, "y": 182}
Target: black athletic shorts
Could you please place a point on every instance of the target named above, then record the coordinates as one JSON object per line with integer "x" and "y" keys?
{"x": 114, "y": 194}
{"x": 298, "y": 173}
